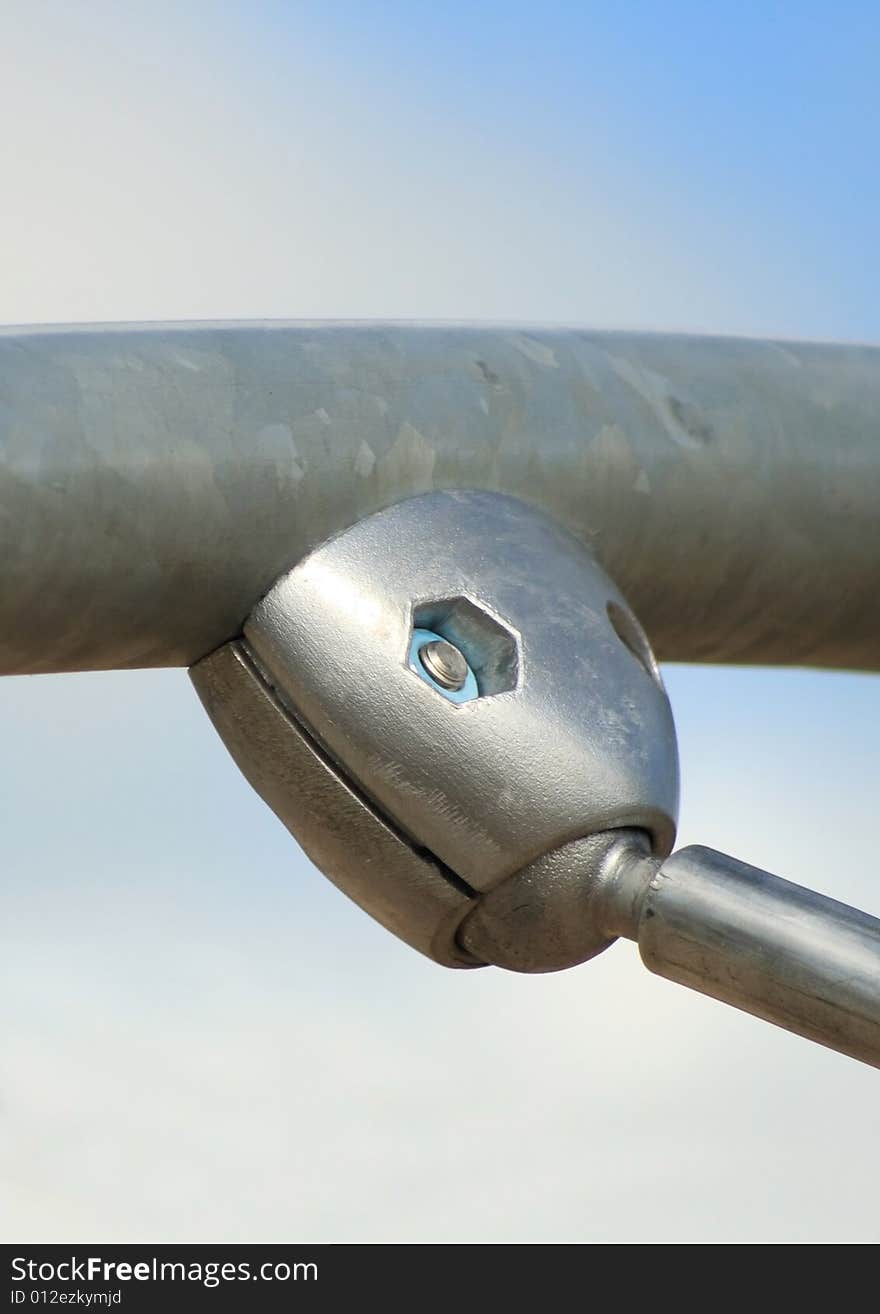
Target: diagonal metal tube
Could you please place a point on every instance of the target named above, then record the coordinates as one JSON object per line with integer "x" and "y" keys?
{"x": 155, "y": 480}
{"x": 771, "y": 948}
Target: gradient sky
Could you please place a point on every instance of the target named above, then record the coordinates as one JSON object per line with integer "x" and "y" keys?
{"x": 200, "y": 1039}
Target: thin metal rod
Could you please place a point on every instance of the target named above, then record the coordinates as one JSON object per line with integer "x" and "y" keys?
{"x": 154, "y": 481}
{"x": 786, "y": 954}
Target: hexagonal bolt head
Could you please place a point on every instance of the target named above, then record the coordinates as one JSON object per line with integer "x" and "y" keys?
{"x": 444, "y": 663}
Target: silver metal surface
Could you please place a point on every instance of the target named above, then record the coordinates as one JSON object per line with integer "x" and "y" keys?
{"x": 579, "y": 739}
{"x": 786, "y": 954}
{"x": 155, "y": 480}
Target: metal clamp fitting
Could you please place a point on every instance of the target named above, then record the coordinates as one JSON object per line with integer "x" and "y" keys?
{"x": 418, "y": 799}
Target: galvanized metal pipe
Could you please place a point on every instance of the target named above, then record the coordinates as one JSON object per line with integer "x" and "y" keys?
{"x": 155, "y": 480}
{"x": 784, "y": 953}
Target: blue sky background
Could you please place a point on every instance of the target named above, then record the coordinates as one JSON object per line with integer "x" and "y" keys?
{"x": 200, "y": 1039}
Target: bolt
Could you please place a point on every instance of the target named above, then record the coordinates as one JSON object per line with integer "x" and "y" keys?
{"x": 445, "y": 664}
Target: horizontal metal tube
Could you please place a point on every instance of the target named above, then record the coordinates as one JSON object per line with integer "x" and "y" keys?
{"x": 771, "y": 948}
{"x": 154, "y": 481}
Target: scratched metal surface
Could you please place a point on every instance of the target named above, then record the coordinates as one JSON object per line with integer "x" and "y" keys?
{"x": 155, "y": 480}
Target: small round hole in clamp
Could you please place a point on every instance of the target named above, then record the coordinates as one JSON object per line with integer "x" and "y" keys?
{"x": 632, "y": 636}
